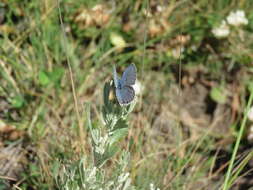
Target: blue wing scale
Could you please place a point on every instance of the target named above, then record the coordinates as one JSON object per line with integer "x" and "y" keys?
{"x": 129, "y": 76}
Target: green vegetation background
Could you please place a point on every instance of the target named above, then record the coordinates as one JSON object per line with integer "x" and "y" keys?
{"x": 174, "y": 50}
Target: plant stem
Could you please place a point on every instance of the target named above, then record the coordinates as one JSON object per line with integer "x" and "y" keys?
{"x": 238, "y": 140}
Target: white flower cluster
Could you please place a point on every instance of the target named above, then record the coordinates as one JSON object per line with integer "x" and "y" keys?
{"x": 221, "y": 31}
{"x": 235, "y": 18}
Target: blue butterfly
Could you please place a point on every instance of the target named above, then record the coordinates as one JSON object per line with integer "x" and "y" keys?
{"x": 124, "y": 91}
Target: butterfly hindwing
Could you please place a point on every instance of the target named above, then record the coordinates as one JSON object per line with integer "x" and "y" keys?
{"x": 125, "y": 95}
{"x": 129, "y": 75}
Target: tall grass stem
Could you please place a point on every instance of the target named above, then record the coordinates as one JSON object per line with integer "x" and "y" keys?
{"x": 238, "y": 140}
{"x": 72, "y": 80}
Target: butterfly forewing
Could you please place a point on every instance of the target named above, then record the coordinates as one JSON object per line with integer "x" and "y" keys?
{"x": 129, "y": 75}
{"x": 125, "y": 95}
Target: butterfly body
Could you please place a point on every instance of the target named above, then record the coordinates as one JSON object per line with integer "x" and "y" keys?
{"x": 124, "y": 91}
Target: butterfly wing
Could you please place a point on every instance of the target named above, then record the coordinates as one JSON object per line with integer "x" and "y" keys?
{"x": 125, "y": 95}
{"x": 129, "y": 75}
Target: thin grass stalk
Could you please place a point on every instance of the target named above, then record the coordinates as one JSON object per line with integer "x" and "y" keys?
{"x": 238, "y": 140}
{"x": 72, "y": 81}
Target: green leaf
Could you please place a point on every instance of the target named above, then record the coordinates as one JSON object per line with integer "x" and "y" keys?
{"x": 56, "y": 75}
{"x": 43, "y": 78}
{"x": 106, "y": 93}
{"x": 121, "y": 123}
{"x": 218, "y": 95}
{"x": 117, "y": 135}
{"x": 111, "y": 151}
{"x": 95, "y": 133}
{"x": 100, "y": 160}
{"x": 250, "y": 86}
{"x": 55, "y": 168}
{"x": 18, "y": 101}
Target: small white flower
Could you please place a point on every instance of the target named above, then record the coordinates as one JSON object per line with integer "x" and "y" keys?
{"x": 250, "y": 114}
{"x": 147, "y": 13}
{"x": 177, "y": 52}
{"x": 137, "y": 87}
{"x": 194, "y": 48}
{"x": 237, "y": 18}
{"x": 251, "y": 129}
{"x": 250, "y": 134}
{"x": 221, "y": 31}
{"x": 160, "y": 8}
{"x": 152, "y": 187}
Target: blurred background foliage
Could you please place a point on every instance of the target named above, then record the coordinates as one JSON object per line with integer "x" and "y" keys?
{"x": 194, "y": 62}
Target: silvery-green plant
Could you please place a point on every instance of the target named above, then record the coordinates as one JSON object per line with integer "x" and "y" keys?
{"x": 105, "y": 140}
{"x": 81, "y": 176}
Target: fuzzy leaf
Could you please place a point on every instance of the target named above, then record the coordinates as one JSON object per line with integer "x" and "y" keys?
{"x": 117, "y": 135}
